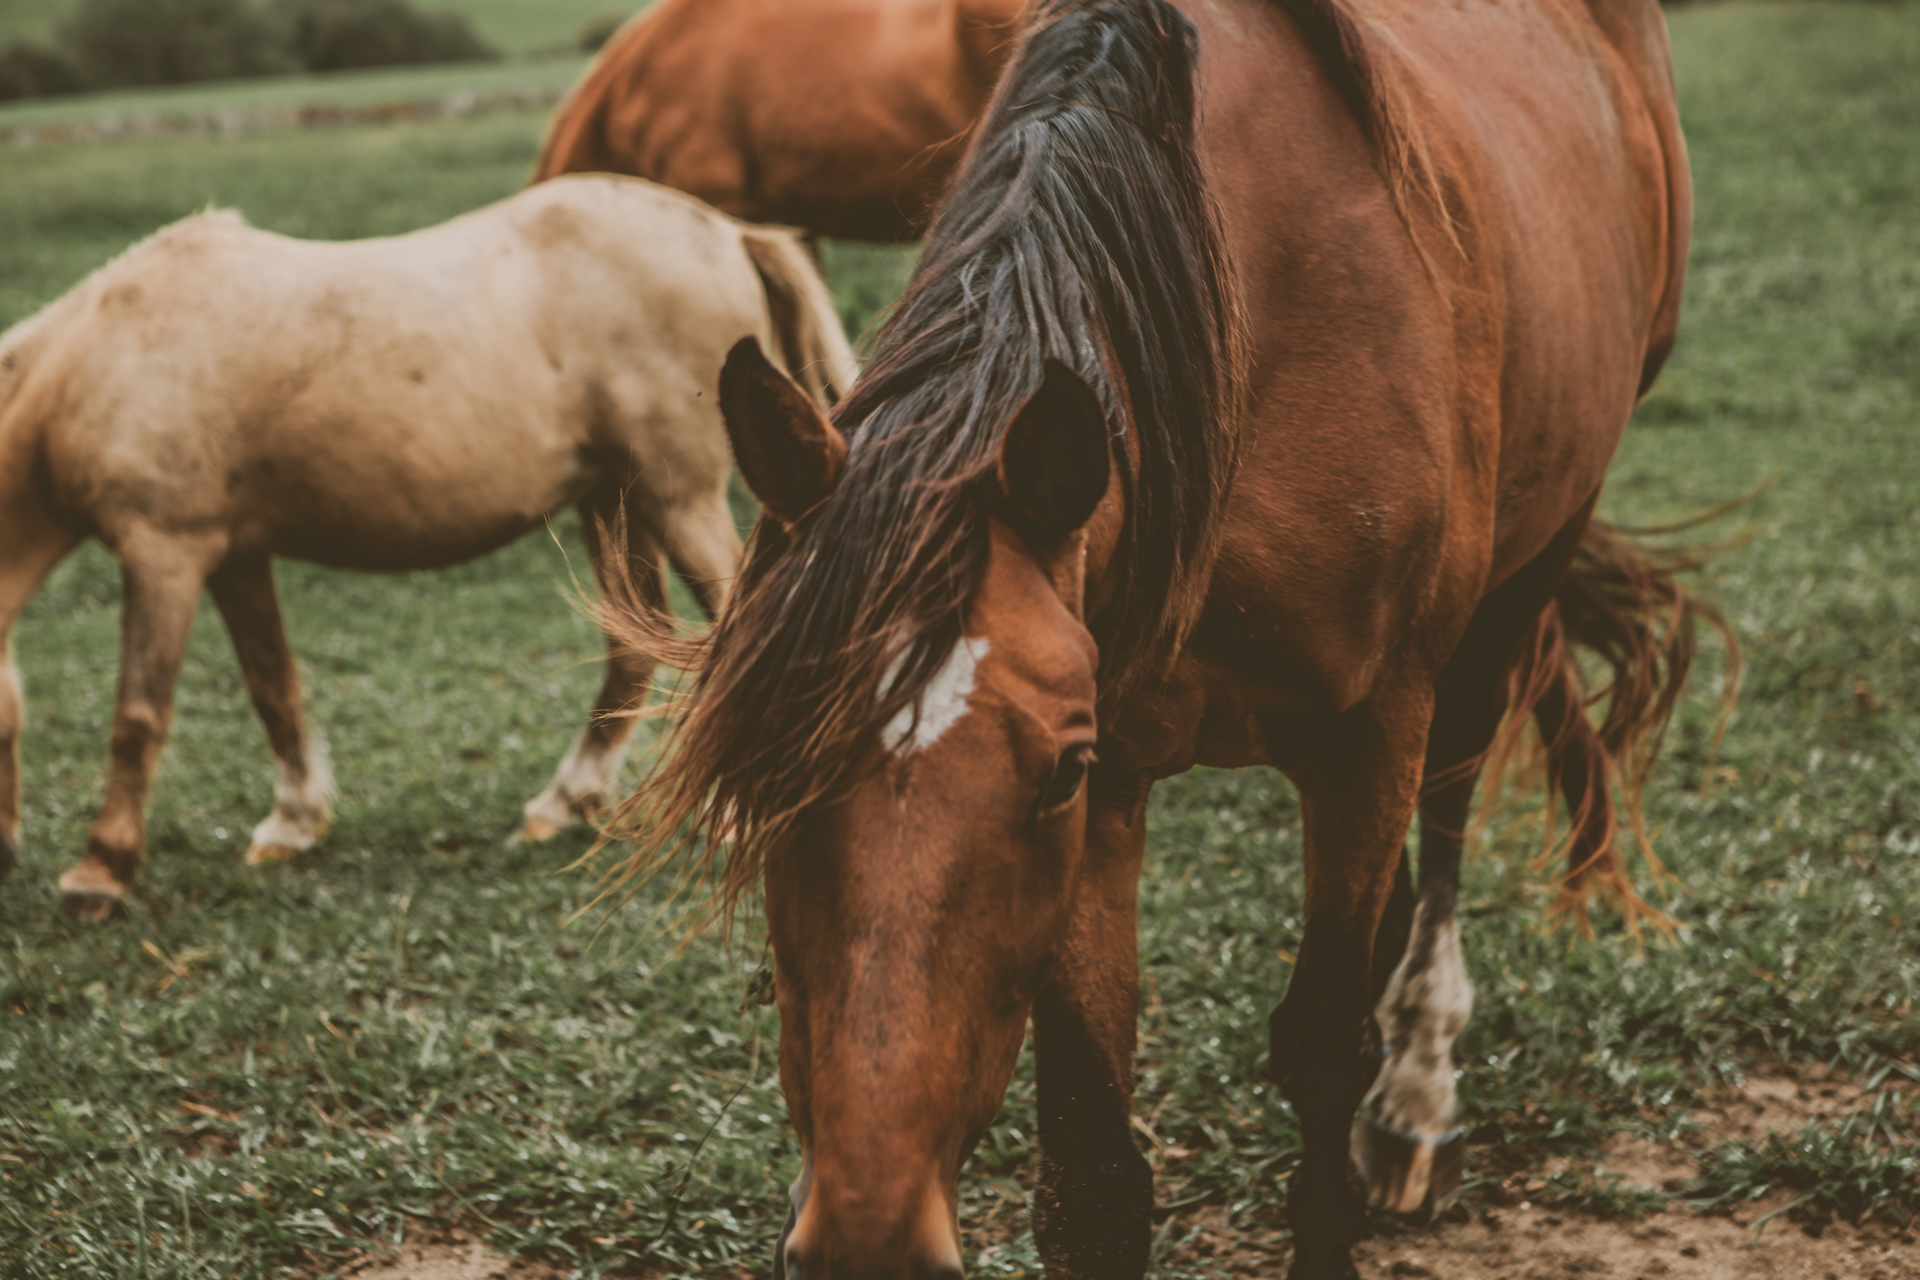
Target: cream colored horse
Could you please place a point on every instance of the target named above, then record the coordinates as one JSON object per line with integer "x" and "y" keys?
{"x": 219, "y": 396}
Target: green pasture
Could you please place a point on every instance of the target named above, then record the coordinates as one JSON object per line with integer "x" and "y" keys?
{"x": 517, "y": 28}
{"x": 126, "y": 110}
{"x": 265, "y": 1072}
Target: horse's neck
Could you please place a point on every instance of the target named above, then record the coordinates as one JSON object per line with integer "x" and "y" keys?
{"x": 987, "y": 32}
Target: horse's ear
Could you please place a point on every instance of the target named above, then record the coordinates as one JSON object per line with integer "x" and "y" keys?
{"x": 1055, "y": 461}
{"x": 789, "y": 454}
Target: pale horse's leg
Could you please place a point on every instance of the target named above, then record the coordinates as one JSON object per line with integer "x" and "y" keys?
{"x": 303, "y": 785}
{"x": 28, "y": 551}
{"x": 161, "y": 577}
{"x": 578, "y": 790}
{"x": 705, "y": 548}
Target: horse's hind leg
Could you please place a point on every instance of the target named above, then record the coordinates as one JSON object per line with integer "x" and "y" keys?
{"x": 161, "y": 580}
{"x": 303, "y": 785}
{"x": 578, "y": 790}
{"x": 705, "y": 547}
{"x": 30, "y": 554}
{"x": 1407, "y": 1140}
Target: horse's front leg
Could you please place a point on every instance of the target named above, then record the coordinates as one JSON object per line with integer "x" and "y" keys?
{"x": 161, "y": 577}
{"x": 1093, "y": 1208}
{"x": 1358, "y": 794}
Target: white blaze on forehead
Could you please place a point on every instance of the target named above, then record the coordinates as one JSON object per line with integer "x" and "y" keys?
{"x": 942, "y": 703}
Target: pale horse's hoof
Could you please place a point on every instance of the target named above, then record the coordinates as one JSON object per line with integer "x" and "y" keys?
{"x": 281, "y": 835}
{"x": 1408, "y": 1173}
{"x": 554, "y": 810}
{"x": 534, "y": 831}
{"x": 88, "y": 892}
{"x": 259, "y": 855}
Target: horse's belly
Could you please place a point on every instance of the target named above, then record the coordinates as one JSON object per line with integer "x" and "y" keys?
{"x": 415, "y": 496}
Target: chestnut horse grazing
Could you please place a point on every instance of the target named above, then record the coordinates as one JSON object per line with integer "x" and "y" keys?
{"x": 845, "y": 117}
{"x": 1248, "y": 406}
{"x": 219, "y": 396}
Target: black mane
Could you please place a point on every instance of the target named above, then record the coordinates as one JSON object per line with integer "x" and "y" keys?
{"x": 1080, "y": 230}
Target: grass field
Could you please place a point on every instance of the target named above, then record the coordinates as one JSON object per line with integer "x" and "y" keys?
{"x": 264, "y": 1072}
{"x": 515, "y": 27}
{"x": 129, "y": 109}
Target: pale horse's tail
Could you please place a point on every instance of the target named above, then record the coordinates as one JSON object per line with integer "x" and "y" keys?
{"x": 806, "y": 324}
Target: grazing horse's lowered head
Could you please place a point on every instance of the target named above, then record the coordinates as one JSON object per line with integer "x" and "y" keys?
{"x": 916, "y": 915}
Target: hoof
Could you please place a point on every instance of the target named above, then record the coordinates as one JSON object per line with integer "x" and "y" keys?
{"x": 261, "y": 854}
{"x": 1327, "y": 1269}
{"x": 535, "y": 830}
{"x": 1408, "y": 1173}
{"x": 88, "y": 908}
{"x": 88, "y": 891}
{"x": 280, "y": 835}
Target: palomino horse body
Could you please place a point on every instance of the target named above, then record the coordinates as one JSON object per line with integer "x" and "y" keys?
{"x": 1246, "y": 408}
{"x": 845, "y": 117}
{"x": 219, "y": 396}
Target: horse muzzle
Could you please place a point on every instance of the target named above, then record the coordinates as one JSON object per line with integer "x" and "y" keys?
{"x": 928, "y": 1250}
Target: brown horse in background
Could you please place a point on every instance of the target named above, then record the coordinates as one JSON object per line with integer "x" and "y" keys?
{"x": 844, "y": 117}
{"x": 219, "y": 396}
{"x": 1247, "y": 407}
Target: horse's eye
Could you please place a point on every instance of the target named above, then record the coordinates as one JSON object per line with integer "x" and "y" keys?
{"x": 1068, "y": 773}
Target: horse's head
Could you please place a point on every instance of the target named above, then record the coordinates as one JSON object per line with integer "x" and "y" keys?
{"x": 914, "y": 915}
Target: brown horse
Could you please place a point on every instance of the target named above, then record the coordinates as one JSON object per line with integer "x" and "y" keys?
{"x": 845, "y": 117}
{"x": 219, "y": 396}
{"x": 1248, "y": 406}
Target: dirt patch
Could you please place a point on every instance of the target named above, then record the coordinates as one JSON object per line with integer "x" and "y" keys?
{"x": 1782, "y": 1101}
{"x": 472, "y": 1261}
{"x": 1526, "y": 1241}
{"x": 1531, "y": 1244}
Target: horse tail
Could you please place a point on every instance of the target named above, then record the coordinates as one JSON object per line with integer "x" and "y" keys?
{"x": 806, "y": 324}
{"x": 1622, "y": 603}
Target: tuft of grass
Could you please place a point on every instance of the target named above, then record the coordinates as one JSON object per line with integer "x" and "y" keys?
{"x": 1866, "y": 1165}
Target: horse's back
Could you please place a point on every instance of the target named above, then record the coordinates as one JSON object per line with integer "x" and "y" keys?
{"x": 842, "y": 116}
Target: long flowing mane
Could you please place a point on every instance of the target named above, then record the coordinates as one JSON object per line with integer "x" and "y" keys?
{"x": 1080, "y": 229}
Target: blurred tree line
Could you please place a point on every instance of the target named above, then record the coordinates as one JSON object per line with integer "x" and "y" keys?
{"x": 112, "y": 44}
